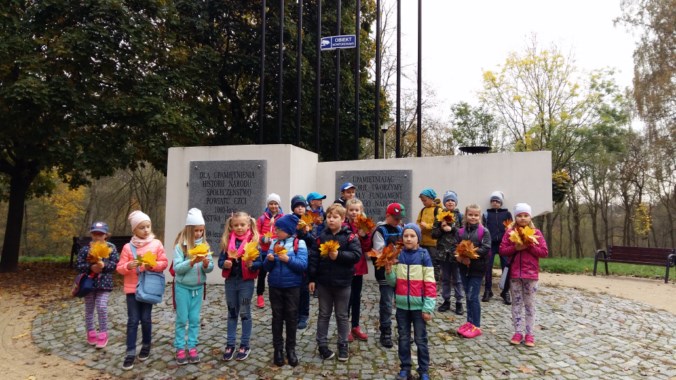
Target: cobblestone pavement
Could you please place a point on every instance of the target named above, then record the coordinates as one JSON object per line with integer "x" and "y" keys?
{"x": 579, "y": 335}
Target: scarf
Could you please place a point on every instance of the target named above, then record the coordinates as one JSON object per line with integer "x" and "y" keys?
{"x": 243, "y": 238}
{"x": 140, "y": 243}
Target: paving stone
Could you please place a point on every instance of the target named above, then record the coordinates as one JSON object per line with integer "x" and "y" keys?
{"x": 578, "y": 335}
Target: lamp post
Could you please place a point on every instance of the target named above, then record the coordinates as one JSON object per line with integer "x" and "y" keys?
{"x": 384, "y": 128}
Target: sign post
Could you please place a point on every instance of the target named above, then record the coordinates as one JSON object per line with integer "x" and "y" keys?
{"x": 348, "y": 41}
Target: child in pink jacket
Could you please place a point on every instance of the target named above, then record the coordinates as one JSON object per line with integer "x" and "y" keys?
{"x": 141, "y": 243}
{"x": 524, "y": 266}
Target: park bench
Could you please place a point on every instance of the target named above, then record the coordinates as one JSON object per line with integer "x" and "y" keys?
{"x": 665, "y": 257}
{"x": 79, "y": 242}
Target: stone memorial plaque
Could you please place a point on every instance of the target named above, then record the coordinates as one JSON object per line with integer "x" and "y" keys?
{"x": 378, "y": 188}
{"x": 220, "y": 188}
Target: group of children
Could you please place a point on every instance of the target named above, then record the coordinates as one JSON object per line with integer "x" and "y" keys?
{"x": 327, "y": 257}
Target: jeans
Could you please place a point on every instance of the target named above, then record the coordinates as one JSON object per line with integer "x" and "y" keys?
{"x": 354, "y": 306}
{"x": 495, "y": 246}
{"x": 238, "y": 294}
{"x": 385, "y": 312}
{"x": 188, "y": 308}
{"x": 304, "y": 303}
{"x": 404, "y": 320}
{"x": 284, "y": 304}
{"x": 450, "y": 275}
{"x": 138, "y": 312}
{"x": 328, "y": 298}
{"x": 472, "y": 288}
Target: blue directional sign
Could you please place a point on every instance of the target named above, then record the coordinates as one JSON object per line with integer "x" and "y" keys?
{"x": 348, "y": 41}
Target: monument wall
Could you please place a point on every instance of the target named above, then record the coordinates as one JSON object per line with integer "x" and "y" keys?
{"x": 223, "y": 179}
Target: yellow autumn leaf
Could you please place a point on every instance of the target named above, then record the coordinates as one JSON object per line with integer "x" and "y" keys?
{"x": 251, "y": 252}
{"x": 328, "y": 246}
{"x": 200, "y": 250}
{"x": 148, "y": 259}
{"x": 447, "y": 216}
{"x": 99, "y": 250}
{"x": 279, "y": 249}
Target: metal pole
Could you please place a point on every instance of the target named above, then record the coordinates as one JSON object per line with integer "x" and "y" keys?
{"x": 384, "y": 156}
{"x": 419, "y": 107}
{"x": 299, "y": 56}
{"x": 397, "y": 148}
{"x": 356, "y": 80}
{"x": 318, "y": 75}
{"x": 336, "y": 137}
{"x": 377, "y": 95}
{"x": 280, "y": 80}
{"x": 261, "y": 104}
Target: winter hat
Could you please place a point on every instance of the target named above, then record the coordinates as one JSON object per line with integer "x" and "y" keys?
{"x": 287, "y": 223}
{"x": 498, "y": 195}
{"x": 101, "y": 227}
{"x": 194, "y": 218}
{"x": 414, "y": 227}
{"x": 429, "y": 193}
{"x": 298, "y": 200}
{"x": 347, "y": 185}
{"x": 273, "y": 197}
{"x": 313, "y": 196}
{"x": 521, "y": 208}
{"x": 450, "y": 195}
{"x": 396, "y": 210}
{"x": 136, "y": 217}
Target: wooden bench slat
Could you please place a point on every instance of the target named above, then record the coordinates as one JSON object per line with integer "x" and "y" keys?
{"x": 637, "y": 255}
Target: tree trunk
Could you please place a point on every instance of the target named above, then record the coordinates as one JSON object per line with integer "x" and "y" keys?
{"x": 19, "y": 183}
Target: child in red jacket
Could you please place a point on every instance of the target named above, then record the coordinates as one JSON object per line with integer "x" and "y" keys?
{"x": 523, "y": 251}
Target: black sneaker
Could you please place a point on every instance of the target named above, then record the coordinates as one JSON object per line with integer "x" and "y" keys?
{"x": 386, "y": 341}
{"x": 325, "y": 353}
{"x": 144, "y": 354}
{"x": 446, "y": 306}
{"x": 243, "y": 353}
{"x": 458, "y": 308}
{"x": 506, "y": 298}
{"x": 404, "y": 375}
{"x": 229, "y": 353}
{"x": 128, "y": 363}
{"x": 343, "y": 353}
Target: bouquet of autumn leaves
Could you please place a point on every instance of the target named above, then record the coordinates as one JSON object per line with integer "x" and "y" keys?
{"x": 364, "y": 224}
{"x": 149, "y": 259}
{"x": 328, "y": 246}
{"x": 446, "y": 216}
{"x": 466, "y": 250}
{"x": 199, "y": 250}
{"x": 98, "y": 250}
{"x": 388, "y": 255}
{"x": 524, "y": 236}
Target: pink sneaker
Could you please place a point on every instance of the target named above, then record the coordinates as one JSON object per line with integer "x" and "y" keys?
{"x": 530, "y": 340}
{"x": 91, "y": 338}
{"x": 472, "y": 332}
{"x": 181, "y": 358}
{"x": 260, "y": 302}
{"x": 102, "y": 340}
{"x": 462, "y": 328}
{"x": 516, "y": 338}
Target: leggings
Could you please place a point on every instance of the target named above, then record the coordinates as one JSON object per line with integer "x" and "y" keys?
{"x": 97, "y": 299}
{"x": 523, "y": 299}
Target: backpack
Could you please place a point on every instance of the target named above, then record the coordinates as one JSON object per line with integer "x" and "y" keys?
{"x": 388, "y": 236}
{"x": 480, "y": 232}
{"x": 436, "y": 211}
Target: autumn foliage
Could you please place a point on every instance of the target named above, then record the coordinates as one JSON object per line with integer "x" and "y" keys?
{"x": 466, "y": 249}
{"x": 389, "y": 255}
{"x": 446, "y": 216}
{"x": 251, "y": 251}
{"x": 328, "y": 246}
{"x": 524, "y": 236}
{"x": 98, "y": 250}
{"x": 364, "y": 224}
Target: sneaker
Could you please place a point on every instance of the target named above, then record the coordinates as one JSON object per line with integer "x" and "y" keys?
{"x": 343, "y": 353}
{"x": 530, "y": 340}
{"x": 458, "y": 308}
{"x": 144, "y": 354}
{"x": 472, "y": 332}
{"x": 102, "y": 340}
{"x": 325, "y": 353}
{"x": 516, "y": 338}
{"x": 446, "y": 306}
{"x": 260, "y": 302}
{"x": 386, "y": 341}
{"x": 91, "y": 338}
{"x": 404, "y": 375}
{"x": 487, "y": 296}
{"x": 302, "y": 323}
{"x": 350, "y": 338}
{"x": 128, "y": 363}
{"x": 193, "y": 356}
{"x": 462, "y": 328}
{"x": 181, "y": 359}
{"x": 424, "y": 376}
{"x": 229, "y": 353}
{"x": 356, "y": 331}
{"x": 243, "y": 353}
{"x": 506, "y": 299}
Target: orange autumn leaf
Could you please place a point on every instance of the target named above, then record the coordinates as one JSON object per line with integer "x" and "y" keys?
{"x": 233, "y": 255}
{"x": 524, "y": 236}
{"x": 389, "y": 255}
{"x": 328, "y": 246}
{"x": 251, "y": 252}
{"x": 507, "y": 223}
{"x": 446, "y": 216}
{"x": 268, "y": 235}
{"x": 373, "y": 253}
{"x": 99, "y": 250}
{"x": 301, "y": 225}
{"x": 466, "y": 249}
{"x": 307, "y": 219}
{"x": 316, "y": 217}
{"x": 279, "y": 249}
{"x": 364, "y": 223}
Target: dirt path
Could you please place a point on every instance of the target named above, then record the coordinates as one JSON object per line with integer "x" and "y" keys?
{"x": 21, "y": 359}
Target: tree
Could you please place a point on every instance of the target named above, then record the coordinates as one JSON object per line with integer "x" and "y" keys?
{"x": 79, "y": 94}
{"x": 473, "y": 126}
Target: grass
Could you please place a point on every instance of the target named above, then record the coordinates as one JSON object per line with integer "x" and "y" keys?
{"x": 586, "y": 266}
{"x": 45, "y": 259}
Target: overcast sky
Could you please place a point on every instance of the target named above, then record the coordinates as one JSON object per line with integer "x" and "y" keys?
{"x": 462, "y": 38}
